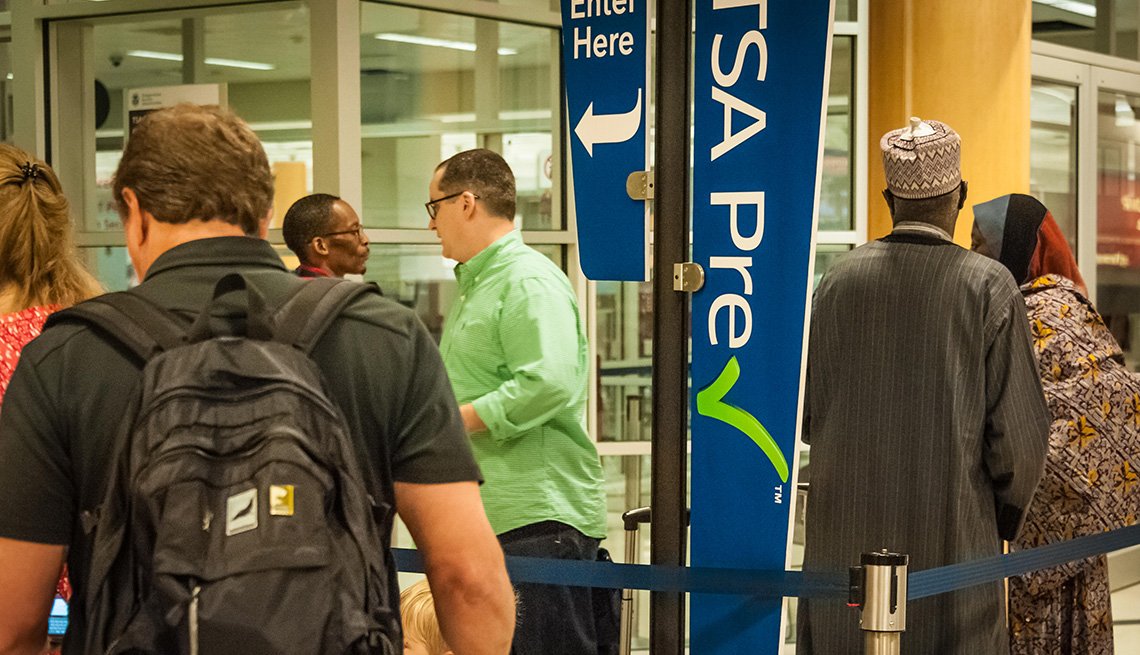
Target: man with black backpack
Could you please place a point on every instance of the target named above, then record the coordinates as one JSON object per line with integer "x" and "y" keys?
{"x": 217, "y": 453}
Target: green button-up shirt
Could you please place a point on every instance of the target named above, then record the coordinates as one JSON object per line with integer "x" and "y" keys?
{"x": 515, "y": 348}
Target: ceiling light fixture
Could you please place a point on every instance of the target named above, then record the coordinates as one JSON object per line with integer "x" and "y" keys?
{"x": 212, "y": 61}
{"x": 237, "y": 63}
{"x": 437, "y": 43}
{"x": 151, "y": 54}
{"x": 1072, "y": 6}
{"x": 515, "y": 115}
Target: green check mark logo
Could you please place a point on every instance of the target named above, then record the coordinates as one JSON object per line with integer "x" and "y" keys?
{"x": 710, "y": 403}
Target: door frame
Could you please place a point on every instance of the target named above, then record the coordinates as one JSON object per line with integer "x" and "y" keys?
{"x": 1090, "y": 73}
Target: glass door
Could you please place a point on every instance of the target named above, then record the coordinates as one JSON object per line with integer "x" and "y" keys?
{"x": 1084, "y": 163}
{"x": 1117, "y": 278}
{"x": 1054, "y": 116}
{"x": 1084, "y": 166}
{"x": 256, "y": 55}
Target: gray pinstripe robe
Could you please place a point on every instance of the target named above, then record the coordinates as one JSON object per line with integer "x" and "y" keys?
{"x": 928, "y": 432}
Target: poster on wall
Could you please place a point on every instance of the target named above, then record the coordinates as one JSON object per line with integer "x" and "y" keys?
{"x": 760, "y": 94}
{"x": 140, "y": 102}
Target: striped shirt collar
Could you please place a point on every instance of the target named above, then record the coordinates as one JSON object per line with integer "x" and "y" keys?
{"x": 916, "y": 227}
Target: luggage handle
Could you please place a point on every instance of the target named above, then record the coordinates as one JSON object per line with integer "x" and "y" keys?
{"x": 634, "y": 517}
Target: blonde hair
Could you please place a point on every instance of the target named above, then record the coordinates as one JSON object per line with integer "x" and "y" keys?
{"x": 417, "y": 613}
{"x": 40, "y": 263}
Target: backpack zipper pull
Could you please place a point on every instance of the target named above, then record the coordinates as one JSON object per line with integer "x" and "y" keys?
{"x": 194, "y": 594}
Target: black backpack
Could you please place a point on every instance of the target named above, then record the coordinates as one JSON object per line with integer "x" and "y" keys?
{"x": 238, "y": 517}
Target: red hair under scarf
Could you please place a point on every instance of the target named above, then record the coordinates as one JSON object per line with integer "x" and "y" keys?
{"x": 1053, "y": 255}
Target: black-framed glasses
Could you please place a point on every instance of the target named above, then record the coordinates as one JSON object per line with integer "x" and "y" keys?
{"x": 358, "y": 230}
{"x": 432, "y": 205}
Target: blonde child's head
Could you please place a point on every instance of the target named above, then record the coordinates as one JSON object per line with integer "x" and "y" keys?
{"x": 421, "y": 627}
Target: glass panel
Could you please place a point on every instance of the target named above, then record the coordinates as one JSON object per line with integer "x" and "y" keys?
{"x": 1118, "y": 219}
{"x": 825, "y": 256}
{"x": 552, "y": 5}
{"x": 555, "y": 253}
{"x": 846, "y": 9}
{"x": 624, "y": 341}
{"x": 1105, "y": 26}
{"x": 417, "y": 276}
{"x": 434, "y": 84}
{"x": 1053, "y": 152}
{"x": 796, "y": 553}
{"x": 263, "y": 59}
{"x": 6, "y": 101}
{"x": 836, "y": 195}
{"x": 111, "y": 265}
{"x": 628, "y": 487}
{"x": 625, "y": 321}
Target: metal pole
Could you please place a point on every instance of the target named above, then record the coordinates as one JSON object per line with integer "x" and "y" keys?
{"x": 632, "y": 520}
{"x": 672, "y": 75}
{"x": 883, "y": 619}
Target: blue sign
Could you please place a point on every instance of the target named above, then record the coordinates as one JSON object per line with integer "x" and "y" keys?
{"x": 604, "y": 56}
{"x": 760, "y": 90}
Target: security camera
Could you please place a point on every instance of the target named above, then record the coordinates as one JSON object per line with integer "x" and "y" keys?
{"x": 116, "y": 60}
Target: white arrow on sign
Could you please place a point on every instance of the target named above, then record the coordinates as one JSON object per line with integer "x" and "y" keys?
{"x": 608, "y": 128}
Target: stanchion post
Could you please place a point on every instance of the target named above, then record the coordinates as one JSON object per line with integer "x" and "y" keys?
{"x": 878, "y": 588}
{"x": 672, "y": 127}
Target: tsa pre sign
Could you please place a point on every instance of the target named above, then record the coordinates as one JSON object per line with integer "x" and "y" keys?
{"x": 604, "y": 56}
{"x": 760, "y": 75}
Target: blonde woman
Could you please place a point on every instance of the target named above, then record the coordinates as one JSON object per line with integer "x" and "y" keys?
{"x": 40, "y": 270}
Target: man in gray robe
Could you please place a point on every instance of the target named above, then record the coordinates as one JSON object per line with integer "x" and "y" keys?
{"x": 925, "y": 415}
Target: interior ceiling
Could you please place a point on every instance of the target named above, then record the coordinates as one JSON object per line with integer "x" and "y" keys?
{"x": 1062, "y": 16}
{"x": 281, "y": 38}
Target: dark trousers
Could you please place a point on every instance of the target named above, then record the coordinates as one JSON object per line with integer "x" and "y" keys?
{"x": 552, "y": 620}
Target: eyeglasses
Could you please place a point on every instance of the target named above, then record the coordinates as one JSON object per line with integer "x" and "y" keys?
{"x": 433, "y": 209}
{"x": 358, "y": 230}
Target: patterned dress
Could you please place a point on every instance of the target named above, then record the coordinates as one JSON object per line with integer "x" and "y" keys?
{"x": 16, "y": 330}
{"x": 1090, "y": 482}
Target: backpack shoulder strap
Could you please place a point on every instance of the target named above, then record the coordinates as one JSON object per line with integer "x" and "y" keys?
{"x": 303, "y": 319}
{"x": 138, "y": 324}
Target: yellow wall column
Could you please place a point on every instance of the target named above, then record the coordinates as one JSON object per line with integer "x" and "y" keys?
{"x": 289, "y": 186}
{"x": 966, "y": 64}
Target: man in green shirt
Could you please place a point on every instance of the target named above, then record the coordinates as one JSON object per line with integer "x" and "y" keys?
{"x": 515, "y": 350}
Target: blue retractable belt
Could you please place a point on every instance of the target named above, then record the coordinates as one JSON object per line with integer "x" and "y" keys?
{"x": 581, "y": 573}
{"x": 699, "y": 580}
{"x": 967, "y": 574}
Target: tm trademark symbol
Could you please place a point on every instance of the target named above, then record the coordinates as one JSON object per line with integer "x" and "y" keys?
{"x": 779, "y": 494}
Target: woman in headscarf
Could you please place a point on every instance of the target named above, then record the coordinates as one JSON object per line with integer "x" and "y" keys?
{"x": 40, "y": 271}
{"x": 1090, "y": 476}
